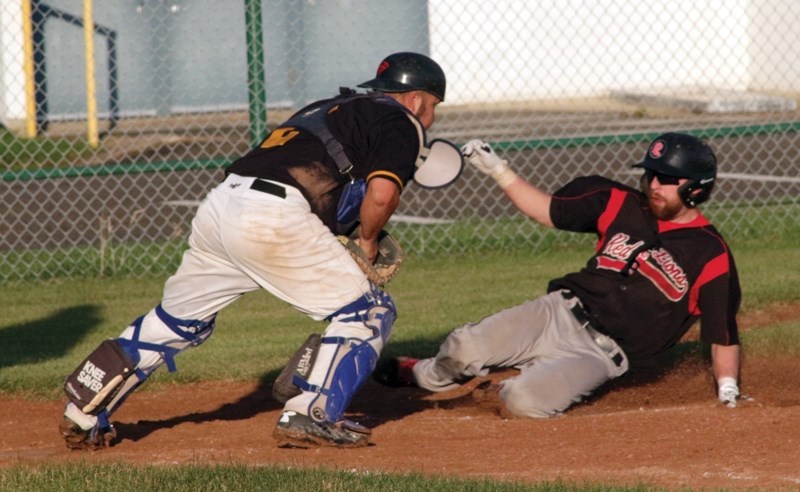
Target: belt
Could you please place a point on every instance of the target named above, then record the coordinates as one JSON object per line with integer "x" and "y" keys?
{"x": 268, "y": 187}
{"x": 605, "y": 342}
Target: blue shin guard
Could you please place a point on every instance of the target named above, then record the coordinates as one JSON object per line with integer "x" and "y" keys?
{"x": 352, "y": 363}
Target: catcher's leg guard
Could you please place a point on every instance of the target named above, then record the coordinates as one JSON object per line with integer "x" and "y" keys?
{"x": 300, "y": 364}
{"x": 347, "y": 356}
{"x": 150, "y": 341}
{"x": 97, "y": 379}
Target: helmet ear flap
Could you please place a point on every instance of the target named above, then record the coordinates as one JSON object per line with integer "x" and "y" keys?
{"x": 693, "y": 193}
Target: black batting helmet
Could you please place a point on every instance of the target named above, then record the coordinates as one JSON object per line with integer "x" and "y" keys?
{"x": 684, "y": 156}
{"x": 406, "y": 71}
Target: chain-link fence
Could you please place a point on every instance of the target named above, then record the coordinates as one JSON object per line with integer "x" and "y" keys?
{"x": 118, "y": 116}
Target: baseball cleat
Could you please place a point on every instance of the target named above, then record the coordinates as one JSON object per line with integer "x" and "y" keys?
{"x": 90, "y": 440}
{"x": 300, "y": 431}
{"x": 396, "y": 373}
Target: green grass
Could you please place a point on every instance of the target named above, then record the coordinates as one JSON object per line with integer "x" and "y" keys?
{"x": 121, "y": 478}
{"x": 130, "y": 259}
{"x": 18, "y": 154}
{"x": 774, "y": 342}
{"x": 49, "y": 326}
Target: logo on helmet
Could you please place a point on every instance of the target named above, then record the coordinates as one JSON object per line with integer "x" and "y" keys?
{"x": 657, "y": 149}
{"x": 383, "y": 66}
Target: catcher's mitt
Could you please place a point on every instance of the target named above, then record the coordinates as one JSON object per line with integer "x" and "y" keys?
{"x": 387, "y": 264}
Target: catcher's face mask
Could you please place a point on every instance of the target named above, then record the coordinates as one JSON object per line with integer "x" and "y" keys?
{"x": 439, "y": 165}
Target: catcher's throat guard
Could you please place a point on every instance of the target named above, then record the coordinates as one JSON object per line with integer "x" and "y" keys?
{"x": 439, "y": 165}
{"x": 96, "y": 381}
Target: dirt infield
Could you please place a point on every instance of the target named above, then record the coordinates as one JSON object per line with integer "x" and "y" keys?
{"x": 667, "y": 432}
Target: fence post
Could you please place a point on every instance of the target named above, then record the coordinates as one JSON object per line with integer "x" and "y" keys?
{"x": 256, "y": 93}
{"x": 92, "y": 133}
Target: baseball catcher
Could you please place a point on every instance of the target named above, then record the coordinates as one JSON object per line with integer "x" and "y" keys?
{"x": 335, "y": 168}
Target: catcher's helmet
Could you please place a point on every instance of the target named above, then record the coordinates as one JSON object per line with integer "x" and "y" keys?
{"x": 406, "y": 71}
{"x": 683, "y": 156}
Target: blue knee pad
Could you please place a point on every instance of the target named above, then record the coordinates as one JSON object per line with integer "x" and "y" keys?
{"x": 353, "y": 362}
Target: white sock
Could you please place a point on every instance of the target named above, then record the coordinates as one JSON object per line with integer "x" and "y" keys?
{"x": 83, "y": 420}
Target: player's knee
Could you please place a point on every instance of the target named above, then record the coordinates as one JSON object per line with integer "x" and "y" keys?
{"x": 520, "y": 404}
{"x": 526, "y": 400}
{"x": 375, "y": 311}
{"x": 157, "y": 337}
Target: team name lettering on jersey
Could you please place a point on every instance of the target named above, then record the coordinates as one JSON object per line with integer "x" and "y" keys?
{"x": 619, "y": 247}
{"x": 656, "y": 265}
{"x": 664, "y": 272}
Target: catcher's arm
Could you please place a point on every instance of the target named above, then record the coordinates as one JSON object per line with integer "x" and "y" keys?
{"x": 380, "y": 202}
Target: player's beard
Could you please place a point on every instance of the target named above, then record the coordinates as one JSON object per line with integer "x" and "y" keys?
{"x": 664, "y": 209}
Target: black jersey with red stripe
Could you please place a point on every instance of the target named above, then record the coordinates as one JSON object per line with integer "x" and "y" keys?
{"x": 379, "y": 139}
{"x": 649, "y": 280}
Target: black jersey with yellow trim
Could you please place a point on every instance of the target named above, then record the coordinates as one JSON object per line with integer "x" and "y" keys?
{"x": 379, "y": 139}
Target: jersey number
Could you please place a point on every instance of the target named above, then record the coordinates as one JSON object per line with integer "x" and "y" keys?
{"x": 279, "y": 137}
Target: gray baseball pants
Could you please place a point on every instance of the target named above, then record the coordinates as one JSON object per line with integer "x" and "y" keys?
{"x": 561, "y": 360}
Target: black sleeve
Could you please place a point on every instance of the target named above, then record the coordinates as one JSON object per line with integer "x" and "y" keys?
{"x": 578, "y": 205}
{"x": 718, "y": 303}
{"x": 395, "y": 150}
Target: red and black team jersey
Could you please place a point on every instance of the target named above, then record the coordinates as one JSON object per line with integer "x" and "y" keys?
{"x": 649, "y": 280}
{"x": 378, "y": 138}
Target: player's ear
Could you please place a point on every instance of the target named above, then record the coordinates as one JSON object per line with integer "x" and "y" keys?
{"x": 414, "y": 101}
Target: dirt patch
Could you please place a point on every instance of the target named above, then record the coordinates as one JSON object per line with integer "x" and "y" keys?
{"x": 664, "y": 430}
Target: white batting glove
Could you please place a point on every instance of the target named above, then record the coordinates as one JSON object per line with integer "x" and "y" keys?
{"x": 481, "y": 156}
{"x": 728, "y": 391}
